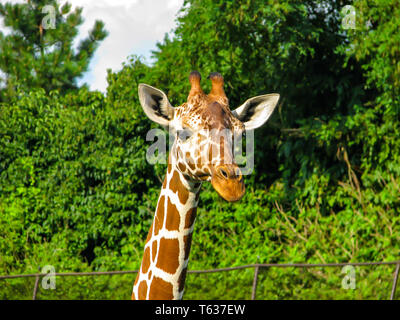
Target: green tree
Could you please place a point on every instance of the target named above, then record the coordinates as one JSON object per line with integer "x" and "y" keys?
{"x": 39, "y": 51}
{"x": 376, "y": 44}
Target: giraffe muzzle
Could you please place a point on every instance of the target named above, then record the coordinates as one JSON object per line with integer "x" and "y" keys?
{"x": 228, "y": 181}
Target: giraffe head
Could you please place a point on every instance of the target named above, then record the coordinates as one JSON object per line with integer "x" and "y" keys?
{"x": 205, "y": 129}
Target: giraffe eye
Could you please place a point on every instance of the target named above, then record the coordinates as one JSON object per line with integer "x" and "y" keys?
{"x": 184, "y": 134}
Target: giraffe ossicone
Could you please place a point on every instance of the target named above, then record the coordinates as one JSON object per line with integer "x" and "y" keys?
{"x": 204, "y": 128}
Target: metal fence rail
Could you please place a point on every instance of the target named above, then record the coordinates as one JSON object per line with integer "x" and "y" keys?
{"x": 256, "y": 267}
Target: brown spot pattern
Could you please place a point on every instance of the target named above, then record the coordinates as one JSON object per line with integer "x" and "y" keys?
{"x": 160, "y": 290}
{"x": 146, "y": 260}
{"x": 191, "y": 164}
{"x": 187, "y": 243}
{"x": 182, "y": 166}
{"x": 142, "y": 291}
{"x": 167, "y": 255}
{"x": 154, "y": 250}
{"x": 176, "y": 186}
{"x": 173, "y": 217}
{"x": 190, "y": 217}
{"x": 149, "y": 235}
{"x": 181, "y": 280}
{"x": 164, "y": 185}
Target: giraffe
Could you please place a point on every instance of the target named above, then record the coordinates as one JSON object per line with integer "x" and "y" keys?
{"x": 198, "y": 154}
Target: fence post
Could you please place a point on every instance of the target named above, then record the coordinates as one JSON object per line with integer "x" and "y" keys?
{"x": 253, "y": 293}
{"x": 396, "y": 276}
{"x": 35, "y": 288}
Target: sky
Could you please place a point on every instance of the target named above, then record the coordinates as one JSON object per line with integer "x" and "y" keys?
{"x": 134, "y": 27}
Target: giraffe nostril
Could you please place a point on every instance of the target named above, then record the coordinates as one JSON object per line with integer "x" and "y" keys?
{"x": 223, "y": 173}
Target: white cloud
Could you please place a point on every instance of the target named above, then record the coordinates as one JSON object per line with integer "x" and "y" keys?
{"x": 134, "y": 27}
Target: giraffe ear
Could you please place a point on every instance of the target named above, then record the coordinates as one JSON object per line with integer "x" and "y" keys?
{"x": 155, "y": 104}
{"x": 256, "y": 111}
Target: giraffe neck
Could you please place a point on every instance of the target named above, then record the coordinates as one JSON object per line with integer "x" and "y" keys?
{"x": 166, "y": 252}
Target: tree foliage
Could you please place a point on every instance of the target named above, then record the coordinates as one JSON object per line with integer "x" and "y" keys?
{"x": 39, "y": 52}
